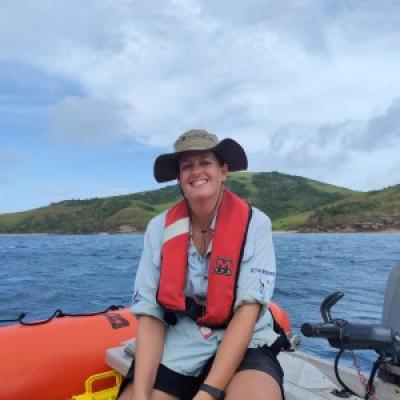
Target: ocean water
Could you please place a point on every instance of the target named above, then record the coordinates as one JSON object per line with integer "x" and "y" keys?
{"x": 85, "y": 273}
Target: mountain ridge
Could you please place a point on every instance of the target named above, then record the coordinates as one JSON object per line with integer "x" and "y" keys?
{"x": 292, "y": 202}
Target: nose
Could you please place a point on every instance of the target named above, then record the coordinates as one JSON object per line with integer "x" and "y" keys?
{"x": 196, "y": 168}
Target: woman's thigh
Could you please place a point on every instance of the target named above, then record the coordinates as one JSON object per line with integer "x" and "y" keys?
{"x": 159, "y": 395}
{"x": 251, "y": 384}
{"x": 127, "y": 394}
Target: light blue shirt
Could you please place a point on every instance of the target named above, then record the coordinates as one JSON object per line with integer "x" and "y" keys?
{"x": 187, "y": 346}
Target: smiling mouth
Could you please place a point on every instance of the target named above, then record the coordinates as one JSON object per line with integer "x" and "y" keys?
{"x": 199, "y": 182}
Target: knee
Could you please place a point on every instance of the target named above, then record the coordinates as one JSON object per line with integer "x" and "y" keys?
{"x": 127, "y": 393}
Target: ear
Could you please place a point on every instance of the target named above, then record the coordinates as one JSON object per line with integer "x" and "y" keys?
{"x": 181, "y": 190}
{"x": 224, "y": 170}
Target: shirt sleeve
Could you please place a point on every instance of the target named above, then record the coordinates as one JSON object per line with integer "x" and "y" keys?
{"x": 257, "y": 272}
{"x": 148, "y": 273}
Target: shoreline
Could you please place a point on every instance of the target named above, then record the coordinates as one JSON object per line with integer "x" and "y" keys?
{"x": 142, "y": 232}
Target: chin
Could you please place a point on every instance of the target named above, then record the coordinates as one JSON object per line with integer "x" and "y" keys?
{"x": 199, "y": 195}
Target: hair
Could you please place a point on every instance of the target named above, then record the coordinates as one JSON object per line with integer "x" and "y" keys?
{"x": 220, "y": 159}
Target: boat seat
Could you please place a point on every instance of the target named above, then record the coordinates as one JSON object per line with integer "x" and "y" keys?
{"x": 120, "y": 358}
{"x": 391, "y": 305}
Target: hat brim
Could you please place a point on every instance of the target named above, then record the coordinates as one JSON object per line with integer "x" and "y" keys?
{"x": 166, "y": 165}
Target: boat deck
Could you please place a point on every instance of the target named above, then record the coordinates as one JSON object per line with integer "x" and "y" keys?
{"x": 306, "y": 377}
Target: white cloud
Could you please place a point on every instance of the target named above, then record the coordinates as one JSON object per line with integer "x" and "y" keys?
{"x": 88, "y": 120}
{"x": 340, "y": 153}
{"x": 58, "y": 193}
{"x": 303, "y": 85}
{"x": 380, "y": 132}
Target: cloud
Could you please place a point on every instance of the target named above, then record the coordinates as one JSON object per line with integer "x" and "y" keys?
{"x": 305, "y": 86}
{"x": 338, "y": 152}
{"x": 382, "y": 131}
{"x": 88, "y": 120}
{"x": 391, "y": 176}
{"x": 23, "y": 85}
{"x": 179, "y": 64}
{"x": 59, "y": 192}
{"x": 54, "y": 191}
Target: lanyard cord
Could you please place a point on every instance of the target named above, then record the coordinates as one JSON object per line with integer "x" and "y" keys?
{"x": 205, "y": 230}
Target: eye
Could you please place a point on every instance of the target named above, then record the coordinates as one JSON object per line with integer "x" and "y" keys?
{"x": 206, "y": 162}
{"x": 184, "y": 166}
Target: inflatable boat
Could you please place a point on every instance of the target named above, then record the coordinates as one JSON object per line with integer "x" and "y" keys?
{"x": 83, "y": 357}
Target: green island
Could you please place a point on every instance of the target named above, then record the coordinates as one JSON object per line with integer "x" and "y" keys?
{"x": 293, "y": 203}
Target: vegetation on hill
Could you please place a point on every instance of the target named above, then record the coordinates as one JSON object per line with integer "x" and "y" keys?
{"x": 292, "y": 202}
{"x": 366, "y": 212}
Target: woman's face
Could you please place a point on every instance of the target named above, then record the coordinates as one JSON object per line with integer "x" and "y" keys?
{"x": 200, "y": 175}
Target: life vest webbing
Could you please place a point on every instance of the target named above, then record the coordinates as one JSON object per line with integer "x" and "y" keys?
{"x": 171, "y": 290}
{"x": 226, "y": 255}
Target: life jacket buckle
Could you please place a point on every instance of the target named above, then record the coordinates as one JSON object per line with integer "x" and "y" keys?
{"x": 194, "y": 309}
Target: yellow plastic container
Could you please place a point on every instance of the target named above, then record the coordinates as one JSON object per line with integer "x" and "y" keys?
{"x": 105, "y": 394}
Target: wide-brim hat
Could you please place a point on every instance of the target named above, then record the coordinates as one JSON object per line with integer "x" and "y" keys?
{"x": 231, "y": 152}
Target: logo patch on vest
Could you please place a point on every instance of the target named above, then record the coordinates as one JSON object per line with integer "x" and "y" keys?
{"x": 223, "y": 266}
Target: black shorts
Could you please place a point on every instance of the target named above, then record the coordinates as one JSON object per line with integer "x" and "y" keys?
{"x": 185, "y": 387}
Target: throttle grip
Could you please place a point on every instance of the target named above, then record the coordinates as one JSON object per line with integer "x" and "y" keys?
{"x": 328, "y": 331}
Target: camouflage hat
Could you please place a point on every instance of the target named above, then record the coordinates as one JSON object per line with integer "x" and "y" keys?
{"x": 166, "y": 165}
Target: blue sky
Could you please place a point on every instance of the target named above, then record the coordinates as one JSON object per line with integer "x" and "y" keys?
{"x": 91, "y": 92}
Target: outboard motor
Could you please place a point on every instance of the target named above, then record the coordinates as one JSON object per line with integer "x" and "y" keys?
{"x": 383, "y": 338}
{"x": 391, "y": 320}
{"x": 391, "y": 305}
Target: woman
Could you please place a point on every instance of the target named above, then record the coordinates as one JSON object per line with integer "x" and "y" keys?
{"x": 204, "y": 329}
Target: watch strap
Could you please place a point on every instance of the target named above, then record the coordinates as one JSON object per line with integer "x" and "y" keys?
{"x": 218, "y": 394}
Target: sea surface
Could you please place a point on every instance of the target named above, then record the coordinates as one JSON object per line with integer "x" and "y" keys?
{"x": 85, "y": 273}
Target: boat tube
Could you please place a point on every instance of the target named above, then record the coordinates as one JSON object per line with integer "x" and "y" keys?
{"x": 50, "y": 360}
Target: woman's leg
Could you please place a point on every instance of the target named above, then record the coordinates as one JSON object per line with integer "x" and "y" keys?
{"x": 159, "y": 395}
{"x": 127, "y": 393}
{"x": 251, "y": 384}
{"x": 155, "y": 395}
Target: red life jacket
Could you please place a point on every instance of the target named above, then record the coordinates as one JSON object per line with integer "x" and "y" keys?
{"x": 223, "y": 270}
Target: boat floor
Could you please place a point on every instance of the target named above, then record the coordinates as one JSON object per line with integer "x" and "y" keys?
{"x": 307, "y": 377}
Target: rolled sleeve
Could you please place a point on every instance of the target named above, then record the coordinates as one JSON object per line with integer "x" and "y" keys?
{"x": 257, "y": 272}
{"x": 148, "y": 274}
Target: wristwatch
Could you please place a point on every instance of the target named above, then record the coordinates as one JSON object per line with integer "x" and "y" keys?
{"x": 218, "y": 394}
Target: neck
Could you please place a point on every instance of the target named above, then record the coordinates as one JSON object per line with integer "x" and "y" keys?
{"x": 202, "y": 212}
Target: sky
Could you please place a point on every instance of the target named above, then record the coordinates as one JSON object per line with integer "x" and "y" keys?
{"x": 91, "y": 92}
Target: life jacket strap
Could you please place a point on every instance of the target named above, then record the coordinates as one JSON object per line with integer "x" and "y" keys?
{"x": 282, "y": 342}
{"x": 170, "y": 318}
{"x": 193, "y": 310}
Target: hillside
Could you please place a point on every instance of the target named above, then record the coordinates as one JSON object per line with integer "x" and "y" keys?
{"x": 373, "y": 211}
{"x": 292, "y": 202}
